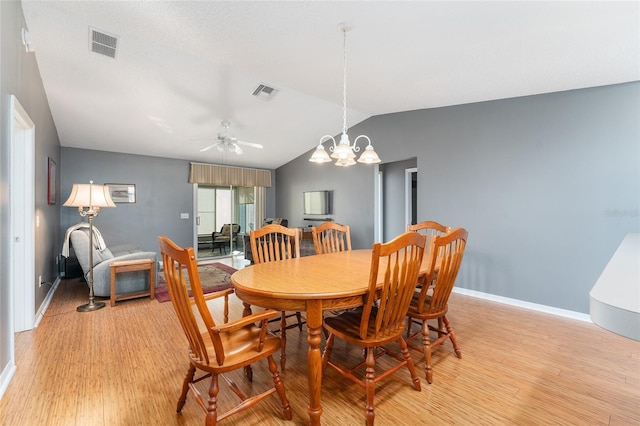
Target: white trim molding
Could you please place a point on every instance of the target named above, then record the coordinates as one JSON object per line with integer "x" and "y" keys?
{"x": 46, "y": 302}
{"x": 6, "y": 375}
{"x": 522, "y": 304}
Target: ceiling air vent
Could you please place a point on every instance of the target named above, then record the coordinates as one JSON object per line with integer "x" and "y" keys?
{"x": 265, "y": 92}
{"x": 102, "y": 43}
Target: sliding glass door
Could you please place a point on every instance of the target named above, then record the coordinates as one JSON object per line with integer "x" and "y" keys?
{"x": 228, "y": 211}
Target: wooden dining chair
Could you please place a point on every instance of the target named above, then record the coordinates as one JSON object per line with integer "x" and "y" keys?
{"x": 394, "y": 270}
{"x": 221, "y": 348}
{"x": 331, "y": 237}
{"x": 272, "y": 243}
{"x": 429, "y": 229}
{"x": 431, "y": 303}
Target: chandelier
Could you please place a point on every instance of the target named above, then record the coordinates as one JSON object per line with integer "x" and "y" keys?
{"x": 344, "y": 152}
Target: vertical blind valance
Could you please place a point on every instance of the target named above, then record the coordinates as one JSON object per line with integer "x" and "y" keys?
{"x": 209, "y": 174}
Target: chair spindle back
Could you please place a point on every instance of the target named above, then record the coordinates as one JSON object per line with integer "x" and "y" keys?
{"x": 399, "y": 263}
{"x": 445, "y": 257}
{"x": 331, "y": 237}
{"x": 274, "y": 242}
{"x": 176, "y": 263}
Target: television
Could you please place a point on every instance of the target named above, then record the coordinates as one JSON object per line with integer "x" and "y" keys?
{"x": 318, "y": 202}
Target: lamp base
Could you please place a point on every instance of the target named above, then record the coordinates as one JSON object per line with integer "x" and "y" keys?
{"x": 92, "y": 306}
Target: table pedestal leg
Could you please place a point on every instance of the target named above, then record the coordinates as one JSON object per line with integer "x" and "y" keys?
{"x": 314, "y": 359}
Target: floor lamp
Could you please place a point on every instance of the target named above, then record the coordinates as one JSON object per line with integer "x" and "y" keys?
{"x": 89, "y": 199}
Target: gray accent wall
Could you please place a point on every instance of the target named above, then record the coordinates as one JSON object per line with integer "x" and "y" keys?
{"x": 20, "y": 76}
{"x": 546, "y": 185}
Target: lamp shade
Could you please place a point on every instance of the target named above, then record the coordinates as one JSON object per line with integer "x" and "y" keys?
{"x": 320, "y": 155}
{"x": 369, "y": 156}
{"x": 89, "y": 195}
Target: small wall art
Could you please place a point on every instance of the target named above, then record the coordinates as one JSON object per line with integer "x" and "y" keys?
{"x": 122, "y": 192}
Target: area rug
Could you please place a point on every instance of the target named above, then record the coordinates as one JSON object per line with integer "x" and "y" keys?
{"x": 213, "y": 277}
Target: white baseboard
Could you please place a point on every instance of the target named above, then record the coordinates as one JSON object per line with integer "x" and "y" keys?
{"x": 522, "y": 304}
{"x": 45, "y": 302}
{"x": 6, "y": 376}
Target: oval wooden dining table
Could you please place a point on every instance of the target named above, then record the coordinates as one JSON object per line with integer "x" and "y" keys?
{"x": 310, "y": 284}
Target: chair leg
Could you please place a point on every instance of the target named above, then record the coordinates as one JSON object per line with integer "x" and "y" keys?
{"x": 426, "y": 348}
{"x": 248, "y": 372}
{"x": 327, "y": 351}
{"x": 283, "y": 338}
{"x": 440, "y": 328}
{"x": 452, "y": 337}
{"x": 277, "y": 382}
{"x": 370, "y": 385}
{"x": 299, "y": 317}
{"x": 412, "y": 368}
{"x": 185, "y": 387}
{"x": 212, "y": 402}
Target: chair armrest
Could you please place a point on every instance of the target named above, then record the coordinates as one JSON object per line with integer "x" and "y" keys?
{"x": 244, "y": 321}
{"x": 215, "y": 295}
{"x": 132, "y": 256}
{"x": 124, "y": 248}
{"x": 104, "y": 268}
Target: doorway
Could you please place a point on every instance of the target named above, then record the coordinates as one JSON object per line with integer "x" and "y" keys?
{"x": 22, "y": 199}
{"x": 395, "y": 198}
{"x": 410, "y": 196}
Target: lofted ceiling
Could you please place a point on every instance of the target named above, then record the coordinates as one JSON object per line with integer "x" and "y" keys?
{"x": 182, "y": 67}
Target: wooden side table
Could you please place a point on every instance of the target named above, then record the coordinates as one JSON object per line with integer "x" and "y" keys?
{"x": 131, "y": 266}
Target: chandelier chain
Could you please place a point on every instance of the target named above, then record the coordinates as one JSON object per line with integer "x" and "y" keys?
{"x": 344, "y": 81}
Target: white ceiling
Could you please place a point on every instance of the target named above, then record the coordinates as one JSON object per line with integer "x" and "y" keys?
{"x": 182, "y": 67}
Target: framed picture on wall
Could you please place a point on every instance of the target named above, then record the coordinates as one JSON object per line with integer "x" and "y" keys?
{"x": 51, "y": 181}
{"x": 122, "y": 192}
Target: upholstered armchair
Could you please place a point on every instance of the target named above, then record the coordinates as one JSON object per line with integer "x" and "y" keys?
{"x": 102, "y": 259}
{"x": 228, "y": 232}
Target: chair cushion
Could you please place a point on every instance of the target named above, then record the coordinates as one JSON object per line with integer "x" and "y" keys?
{"x": 106, "y": 254}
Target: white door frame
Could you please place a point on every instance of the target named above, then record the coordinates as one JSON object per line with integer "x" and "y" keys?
{"x": 22, "y": 215}
{"x": 408, "y": 195}
{"x": 378, "y": 196}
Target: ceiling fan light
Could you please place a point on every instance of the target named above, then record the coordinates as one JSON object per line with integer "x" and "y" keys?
{"x": 320, "y": 155}
{"x": 369, "y": 156}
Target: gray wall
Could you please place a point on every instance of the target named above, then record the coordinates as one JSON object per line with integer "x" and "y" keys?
{"x": 546, "y": 185}
{"x": 162, "y": 194}
{"x": 20, "y": 76}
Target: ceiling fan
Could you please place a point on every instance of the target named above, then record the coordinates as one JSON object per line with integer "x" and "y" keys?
{"x": 227, "y": 141}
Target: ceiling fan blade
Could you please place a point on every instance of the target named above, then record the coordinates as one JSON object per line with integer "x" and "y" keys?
{"x": 237, "y": 148}
{"x": 207, "y": 148}
{"x": 251, "y": 144}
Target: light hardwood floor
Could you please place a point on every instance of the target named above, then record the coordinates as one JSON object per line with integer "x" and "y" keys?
{"x": 125, "y": 365}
